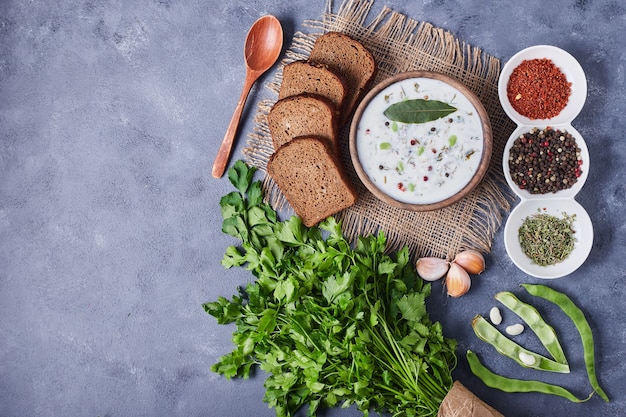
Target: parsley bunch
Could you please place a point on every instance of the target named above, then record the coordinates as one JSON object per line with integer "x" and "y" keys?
{"x": 330, "y": 323}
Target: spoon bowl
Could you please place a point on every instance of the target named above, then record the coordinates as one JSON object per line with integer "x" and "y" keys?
{"x": 263, "y": 44}
{"x": 262, "y": 48}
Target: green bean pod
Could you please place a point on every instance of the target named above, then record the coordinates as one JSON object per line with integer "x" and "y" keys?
{"x": 582, "y": 325}
{"x": 505, "y": 384}
{"x": 536, "y": 323}
{"x": 488, "y": 333}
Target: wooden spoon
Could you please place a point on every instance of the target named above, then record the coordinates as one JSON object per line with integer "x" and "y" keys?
{"x": 262, "y": 48}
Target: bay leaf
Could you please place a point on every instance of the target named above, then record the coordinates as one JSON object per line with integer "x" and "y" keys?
{"x": 418, "y": 111}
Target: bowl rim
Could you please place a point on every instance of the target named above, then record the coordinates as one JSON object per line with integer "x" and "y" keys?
{"x": 566, "y": 193}
{"x": 566, "y": 63}
{"x": 582, "y": 248}
{"x": 483, "y": 166}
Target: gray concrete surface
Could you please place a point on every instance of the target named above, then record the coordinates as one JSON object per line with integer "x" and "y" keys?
{"x": 111, "y": 113}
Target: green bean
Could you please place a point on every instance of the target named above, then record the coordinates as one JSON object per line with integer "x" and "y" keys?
{"x": 505, "y": 384}
{"x": 488, "y": 333}
{"x": 582, "y": 325}
{"x": 536, "y": 323}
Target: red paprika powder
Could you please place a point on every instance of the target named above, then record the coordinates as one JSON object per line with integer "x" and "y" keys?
{"x": 538, "y": 89}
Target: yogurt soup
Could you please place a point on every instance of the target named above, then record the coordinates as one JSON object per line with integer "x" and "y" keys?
{"x": 420, "y": 163}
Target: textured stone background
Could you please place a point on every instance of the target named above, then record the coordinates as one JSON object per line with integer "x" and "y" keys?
{"x": 111, "y": 113}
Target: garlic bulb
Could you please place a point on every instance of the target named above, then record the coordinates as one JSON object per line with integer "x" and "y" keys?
{"x": 457, "y": 281}
{"x": 431, "y": 269}
{"x": 471, "y": 260}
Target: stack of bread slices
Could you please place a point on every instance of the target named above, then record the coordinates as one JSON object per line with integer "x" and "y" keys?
{"x": 316, "y": 98}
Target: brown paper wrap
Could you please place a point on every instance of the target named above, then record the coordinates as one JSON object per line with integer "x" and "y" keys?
{"x": 461, "y": 402}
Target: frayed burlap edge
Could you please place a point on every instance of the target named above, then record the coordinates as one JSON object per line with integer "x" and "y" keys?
{"x": 400, "y": 44}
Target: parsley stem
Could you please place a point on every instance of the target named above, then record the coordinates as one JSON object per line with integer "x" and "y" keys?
{"x": 330, "y": 321}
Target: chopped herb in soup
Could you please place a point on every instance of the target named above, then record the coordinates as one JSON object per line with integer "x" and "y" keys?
{"x": 420, "y": 162}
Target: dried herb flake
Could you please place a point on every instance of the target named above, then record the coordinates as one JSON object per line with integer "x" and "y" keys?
{"x": 546, "y": 239}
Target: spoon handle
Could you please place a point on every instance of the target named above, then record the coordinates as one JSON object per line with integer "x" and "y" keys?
{"x": 223, "y": 154}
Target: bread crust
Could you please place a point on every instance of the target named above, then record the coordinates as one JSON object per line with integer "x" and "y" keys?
{"x": 306, "y": 76}
{"x": 304, "y": 124}
{"x": 308, "y": 172}
{"x": 302, "y": 115}
{"x": 350, "y": 58}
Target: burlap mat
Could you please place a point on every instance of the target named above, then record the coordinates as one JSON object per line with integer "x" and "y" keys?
{"x": 401, "y": 44}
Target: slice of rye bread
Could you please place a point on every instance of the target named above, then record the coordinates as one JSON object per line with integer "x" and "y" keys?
{"x": 349, "y": 58}
{"x": 315, "y": 78}
{"x": 307, "y": 172}
{"x": 302, "y": 115}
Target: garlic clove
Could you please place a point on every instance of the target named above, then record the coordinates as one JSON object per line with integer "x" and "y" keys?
{"x": 431, "y": 268}
{"x": 471, "y": 260}
{"x": 458, "y": 281}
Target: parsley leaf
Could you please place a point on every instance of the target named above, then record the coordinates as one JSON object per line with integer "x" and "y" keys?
{"x": 331, "y": 323}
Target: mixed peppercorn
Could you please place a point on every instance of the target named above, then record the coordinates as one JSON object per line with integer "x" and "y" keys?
{"x": 545, "y": 161}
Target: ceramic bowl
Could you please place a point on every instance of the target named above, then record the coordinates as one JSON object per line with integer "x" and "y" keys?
{"x": 565, "y": 193}
{"x": 414, "y": 164}
{"x": 568, "y": 65}
{"x": 553, "y": 203}
{"x": 583, "y": 232}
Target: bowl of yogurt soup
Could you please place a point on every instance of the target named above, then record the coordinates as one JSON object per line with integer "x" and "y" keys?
{"x": 420, "y": 141}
